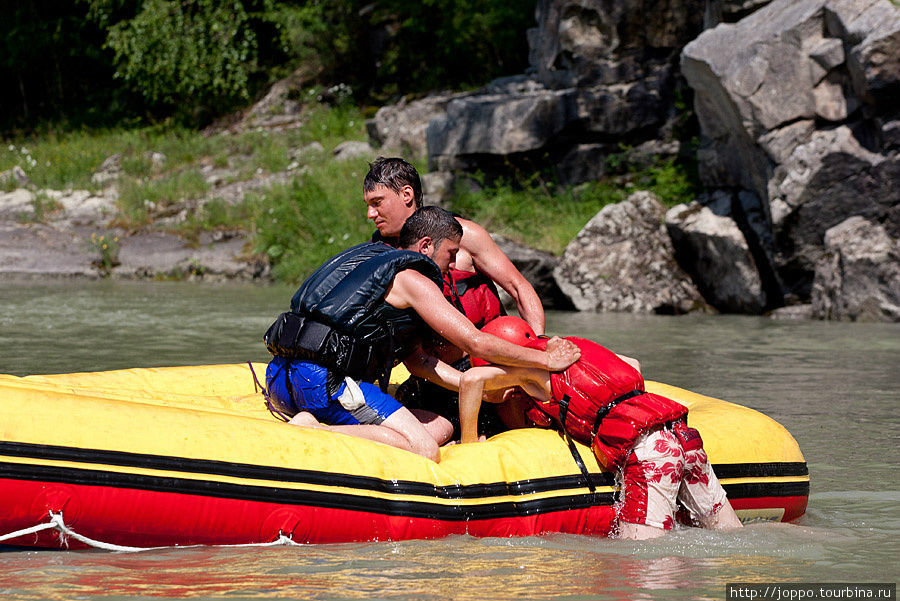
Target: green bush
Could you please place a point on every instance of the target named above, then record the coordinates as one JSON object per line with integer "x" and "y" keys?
{"x": 301, "y": 224}
{"x": 536, "y": 216}
{"x": 194, "y": 53}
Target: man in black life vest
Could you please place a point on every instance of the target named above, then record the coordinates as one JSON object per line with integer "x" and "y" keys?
{"x": 392, "y": 191}
{"x": 366, "y": 308}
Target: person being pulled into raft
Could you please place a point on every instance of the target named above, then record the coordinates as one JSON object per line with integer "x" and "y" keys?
{"x": 392, "y": 190}
{"x": 600, "y": 401}
{"x": 363, "y": 310}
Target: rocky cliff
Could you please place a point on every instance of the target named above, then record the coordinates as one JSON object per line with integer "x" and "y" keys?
{"x": 797, "y": 102}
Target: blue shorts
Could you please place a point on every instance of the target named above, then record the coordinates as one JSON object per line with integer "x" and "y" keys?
{"x": 308, "y": 391}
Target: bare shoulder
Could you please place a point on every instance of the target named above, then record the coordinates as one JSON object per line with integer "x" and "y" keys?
{"x": 408, "y": 286}
{"x": 475, "y": 240}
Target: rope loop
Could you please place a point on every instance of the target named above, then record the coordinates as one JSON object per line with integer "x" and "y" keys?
{"x": 58, "y": 523}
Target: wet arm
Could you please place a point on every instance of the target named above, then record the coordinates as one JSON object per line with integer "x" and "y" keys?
{"x": 424, "y": 365}
{"x": 492, "y": 262}
{"x": 476, "y": 381}
{"x": 412, "y": 289}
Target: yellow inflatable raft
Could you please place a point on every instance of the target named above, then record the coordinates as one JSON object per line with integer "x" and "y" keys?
{"x": 190, "y": 455}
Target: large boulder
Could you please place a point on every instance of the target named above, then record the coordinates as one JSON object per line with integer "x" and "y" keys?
{"x": 537, "y": 267}
{"x": 710, "y": 246}
{"x": 579, "y": 43}
{"x": 401, "y": 127}
{"x": 623, "y": 260}
{"x": 603, "y": 74}
{"x": 797, "y": 111}
{"x": 858, "y": 278}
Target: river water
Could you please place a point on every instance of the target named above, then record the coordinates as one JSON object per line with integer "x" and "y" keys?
{"x": 833, "y": 385}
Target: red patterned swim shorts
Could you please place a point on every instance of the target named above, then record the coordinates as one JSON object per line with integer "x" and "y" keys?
{"x": 658, "y": 473}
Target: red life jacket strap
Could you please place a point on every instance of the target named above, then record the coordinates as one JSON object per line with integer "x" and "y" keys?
{"x": 602, "y": 413}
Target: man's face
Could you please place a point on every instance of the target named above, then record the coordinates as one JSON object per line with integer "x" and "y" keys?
{"x": 444, "y": 254}
{"x": 389, "y": 209}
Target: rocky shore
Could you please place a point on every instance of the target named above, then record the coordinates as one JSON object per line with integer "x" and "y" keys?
{"x": 799, "y": 152}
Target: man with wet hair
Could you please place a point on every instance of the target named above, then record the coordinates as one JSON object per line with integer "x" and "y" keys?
{"x": 361, "y": 311}
{"x": 392, "y": 191}
{"x": 429, "y": 222}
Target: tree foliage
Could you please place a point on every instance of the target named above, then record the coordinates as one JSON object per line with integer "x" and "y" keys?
{"x": 52, "y": 64}
{"x": 201, "y": 58}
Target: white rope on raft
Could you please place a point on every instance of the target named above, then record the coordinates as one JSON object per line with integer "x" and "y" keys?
{"x": 56, "y": 523}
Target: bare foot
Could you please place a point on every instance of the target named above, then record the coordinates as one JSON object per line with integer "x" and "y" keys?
{"x": 305, "y": 418}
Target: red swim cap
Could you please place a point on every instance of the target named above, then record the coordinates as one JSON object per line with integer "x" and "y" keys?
{"x": 510, "y": 328}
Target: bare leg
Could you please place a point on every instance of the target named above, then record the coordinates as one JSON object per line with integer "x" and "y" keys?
{"x": 367, "y": 431}
{"x": 402, "y": 430}
{"x": 439, "y": 427}
{"x": 418, "y": 438}
{"x": 630, "y": 531}
{"x": 724, "y": 519}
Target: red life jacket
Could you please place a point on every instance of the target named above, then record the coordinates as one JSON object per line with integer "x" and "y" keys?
{"x": 600, "y": 400}
{"x": 474, "y": 295}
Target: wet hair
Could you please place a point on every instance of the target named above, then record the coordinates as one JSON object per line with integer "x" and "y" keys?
{"x": 434, "y": 222}
{"x": 394, "y": 173}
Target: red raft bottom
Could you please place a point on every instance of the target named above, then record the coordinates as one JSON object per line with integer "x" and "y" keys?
{"x": 140, "y": 518}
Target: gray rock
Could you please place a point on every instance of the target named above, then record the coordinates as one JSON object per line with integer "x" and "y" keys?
{"x": 788, "y": 188}
{"x": 109, "y": 169}
{"x": 39, "y": 250}
{"x": 795, "y": 110}
{"x": 17, "y": 177}
{"x": 622, "y": 260}
{"x": 583, "y": 163}
{"x": 537, "y": 267}
{"x": 436, "y": 187}
{"x": 155, "y": 254}
{"x": 16, "y": 205}
{"x": 353, "y": 150}
{"x": 890, "y": 134}
{"x": 871, "y": 31}
{"x": 839, "y": 185}
{"x": 498, "y": 125}
{"x": 402, "y": 127}
{"x": 713, "y": 250}
{"x": 581, "y": 43}
{"x": 828, "y": 54}
{"x": 858, "y": 279}
{"x": 792, "y": 312}
{"x": 60, "y": 207}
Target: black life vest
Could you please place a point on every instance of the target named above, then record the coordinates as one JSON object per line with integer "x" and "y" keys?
{"x": 339, "y": 318}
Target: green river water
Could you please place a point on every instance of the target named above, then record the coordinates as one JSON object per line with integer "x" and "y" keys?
{"x": 835, "y": 386}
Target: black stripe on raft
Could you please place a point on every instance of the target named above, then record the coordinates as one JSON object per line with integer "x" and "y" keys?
{"x": 366, "y": 483}
{"x": 760, "y": 470}
{"x": 261, "y": 472}
{"x": 286, "y": 496}
{"x": 755, "y": 490}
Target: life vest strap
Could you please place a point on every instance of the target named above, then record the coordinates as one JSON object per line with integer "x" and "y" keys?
{"x": 580, "y": 463}
{"x": 296, "y": 336}
{"x": 602, "y": 413}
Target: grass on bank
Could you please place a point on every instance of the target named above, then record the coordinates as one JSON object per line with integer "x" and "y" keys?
{"x": 545, "y": 216}
{"x": 318, "y": 210}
